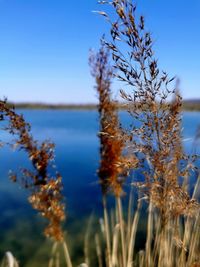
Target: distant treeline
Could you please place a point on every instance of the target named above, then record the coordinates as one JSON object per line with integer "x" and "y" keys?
{"x": 193, "y": 105}
{"x": 189, "y": 105}
{"x": 53, "y": 106}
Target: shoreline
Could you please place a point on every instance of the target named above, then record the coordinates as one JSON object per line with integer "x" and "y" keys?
{"x": 187, "y": 106}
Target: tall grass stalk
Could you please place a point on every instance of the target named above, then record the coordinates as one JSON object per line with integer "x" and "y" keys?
{"x": 67, "y": 255}
{"x": 53, "y": 253}
{"x": 148, "y": 257}
{"x": 122, "y": 232}
{"x": 164, "y": 246}
{"x": 98, "y": 250}
{"x": 9, "y": 260}
{"x": 107, "y": 233}
{"x": 87, "y": 241}
{"x": 131, "y": 238}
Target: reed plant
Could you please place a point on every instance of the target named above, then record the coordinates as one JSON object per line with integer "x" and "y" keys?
{"x": 157, "y": 107}
{"x": 45, "y": 190}
{"x": 169, "y": 220}
{"x": 155, "y": 102}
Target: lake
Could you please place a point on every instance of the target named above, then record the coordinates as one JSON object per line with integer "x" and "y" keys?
{"x": 77, "y": 156}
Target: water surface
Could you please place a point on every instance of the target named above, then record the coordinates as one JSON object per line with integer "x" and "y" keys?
{"x": 77, "y": 157}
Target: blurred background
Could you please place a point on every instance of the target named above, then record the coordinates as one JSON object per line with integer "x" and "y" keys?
{"x": 44, "y": 48}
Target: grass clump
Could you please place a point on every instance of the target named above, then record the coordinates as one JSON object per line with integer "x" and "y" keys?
{"x": 155, "y": 102}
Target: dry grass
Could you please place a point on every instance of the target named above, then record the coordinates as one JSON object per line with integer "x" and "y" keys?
{"x": 114, "y": 165}
{"x": 9, "y": 260}
{"x": 45, "y": 191}
{"x": 155, "y": 103}
{"x": 156, "y": 106}
{"x": 178, "y": 244}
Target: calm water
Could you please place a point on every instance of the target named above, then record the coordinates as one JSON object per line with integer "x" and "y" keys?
{"x": 75, "y": 136}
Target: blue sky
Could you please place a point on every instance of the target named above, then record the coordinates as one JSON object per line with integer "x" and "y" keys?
{"x": 44, "y": 46}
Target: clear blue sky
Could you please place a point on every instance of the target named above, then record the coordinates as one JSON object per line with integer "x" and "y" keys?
{"x": 44, "y": 46}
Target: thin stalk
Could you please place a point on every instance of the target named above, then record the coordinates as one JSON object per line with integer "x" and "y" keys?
{"x": 186, "y": 239}
{"x": 66, "y": 254}
{"x": 141, "y": 258}
{"x": 196, "y": 191}
{"x": 115, "y": 246}
{"x": 86, "y": 242}
{"x": 107, "y": 232}
{"x": 157, "y": 238}
{"x": 121, "y": 225}
{"x": 194, "y": 241}
{"x": 149, "y": 235}
{"x": 57, "y": 259}
{"x": 130, "y": 207}
{"x": 98, "y": 251}
{"x": 53, "y": 251}
{"x": 133, "y": 235}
